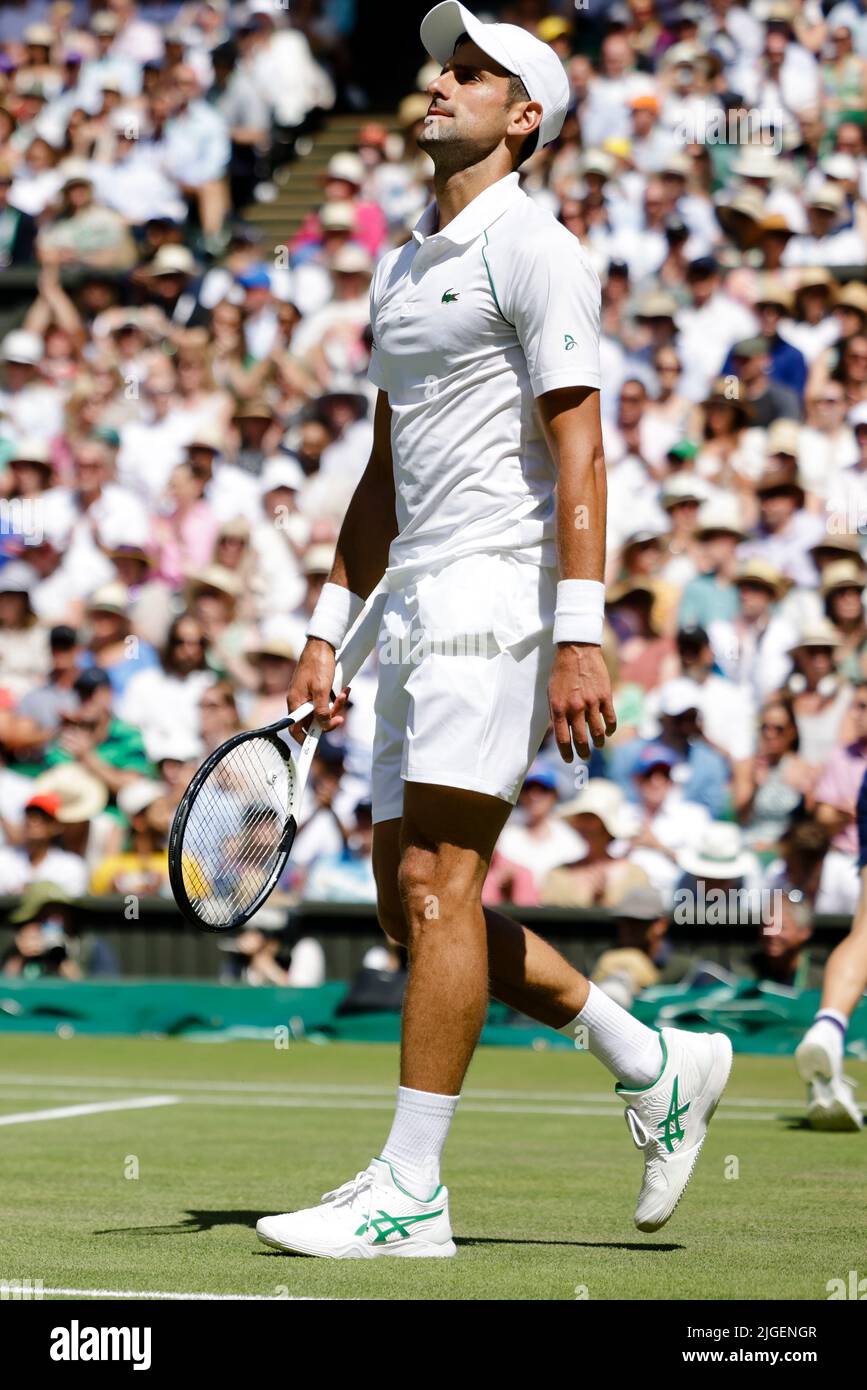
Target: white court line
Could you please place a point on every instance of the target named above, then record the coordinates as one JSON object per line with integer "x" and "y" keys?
{"x": 600, "y": 1109}
{"x": 293, "y": 1089}
{"x": 182, "y": 1297}
{"x": 69, "y": 1112}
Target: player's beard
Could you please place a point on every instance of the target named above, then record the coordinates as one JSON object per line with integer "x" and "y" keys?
{"x": 450, "y": 148}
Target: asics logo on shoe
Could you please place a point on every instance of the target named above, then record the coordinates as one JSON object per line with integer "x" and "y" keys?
{"x": 449, "y": 296}
{"x": 671, "y": 1128}
{"x": 386, "y": 1225}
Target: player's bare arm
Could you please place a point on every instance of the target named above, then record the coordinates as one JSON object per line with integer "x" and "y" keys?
{"x": 579, "y": 689}
{"x": 359, "y": 563}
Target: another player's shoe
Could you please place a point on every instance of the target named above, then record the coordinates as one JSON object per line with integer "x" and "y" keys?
{"x": 370, "y": 1215}
{"x": 669, "y": 1118}
{"x": 819, "y": 1059}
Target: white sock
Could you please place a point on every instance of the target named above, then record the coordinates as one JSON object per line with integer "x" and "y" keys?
{"x": 418, "y": 1135}
{"x": 630, "y": 1050}
{"x": 834, "y": 1017}
{"x": 831, "y": 1025}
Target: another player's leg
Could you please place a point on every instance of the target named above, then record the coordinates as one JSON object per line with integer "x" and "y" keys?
{"x": 819, "y": 1055}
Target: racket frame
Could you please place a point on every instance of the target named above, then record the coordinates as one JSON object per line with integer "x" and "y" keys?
{"x": 300, "y": 766}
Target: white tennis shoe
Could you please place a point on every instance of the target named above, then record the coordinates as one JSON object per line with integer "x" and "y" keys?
{"x": 819, "y": 1059}
{"x": 668, "y": 1120}
{"x": 370, "y": 1215}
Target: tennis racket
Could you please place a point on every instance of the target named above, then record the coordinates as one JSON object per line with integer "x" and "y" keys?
{"x": 235, "y": 824}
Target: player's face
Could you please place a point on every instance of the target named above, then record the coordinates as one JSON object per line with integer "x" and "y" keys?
{"x": 469, "y": 112}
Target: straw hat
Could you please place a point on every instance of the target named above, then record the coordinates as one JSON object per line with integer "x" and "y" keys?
{"x": 215, "y": 577}
{"x": 603, "y": 799}
{"x": 842, "y": 574}
{"x": 82, "y": 796}
{"x": 758, "y": 571}
{"x": 817, "y": 634}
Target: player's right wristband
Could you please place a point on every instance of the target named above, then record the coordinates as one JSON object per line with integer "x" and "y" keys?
{"x": 335, "y": 612}
{"x": 580, "y": 611}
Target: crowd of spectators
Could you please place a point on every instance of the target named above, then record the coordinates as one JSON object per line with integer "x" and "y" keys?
{"x": 184, "y": 413}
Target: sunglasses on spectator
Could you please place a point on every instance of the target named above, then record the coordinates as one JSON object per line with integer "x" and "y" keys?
{"x": 767, "y": 728}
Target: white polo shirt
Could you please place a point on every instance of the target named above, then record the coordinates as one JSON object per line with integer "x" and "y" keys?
{"x": 470, "y": 324}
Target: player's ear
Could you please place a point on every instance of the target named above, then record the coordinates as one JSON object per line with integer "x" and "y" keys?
{"x": 525, "y": 120}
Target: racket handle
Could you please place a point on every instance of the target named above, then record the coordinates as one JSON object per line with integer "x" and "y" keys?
{"x": 359, "y": 643}
{"x": 361, "y": 638}
{"x": 298, "y": 714}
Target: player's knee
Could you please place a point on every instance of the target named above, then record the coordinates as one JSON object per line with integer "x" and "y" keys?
{"x": 433, "y": 885}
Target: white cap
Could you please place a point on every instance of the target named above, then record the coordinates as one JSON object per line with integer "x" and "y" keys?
{"x": 179, "y": 745}
{"x": 352, "y": 260}
{"x": 515, "y": 49}
{"x": 858, "y": 414}
{"x": 138, "y": 795}
{"x": 281, "y": 471}
{"x": 22, "y": 346}
{"x": 346, "y": 166}
{"x": 678, "y": 695}
{"x": 840, "y": 166}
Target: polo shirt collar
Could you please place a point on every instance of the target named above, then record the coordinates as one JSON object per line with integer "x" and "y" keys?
{"x": 484, "y": 209}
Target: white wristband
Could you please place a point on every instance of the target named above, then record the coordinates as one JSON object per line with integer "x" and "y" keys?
{"x": 580, "y": 611}
{"x": 335, "y": 612}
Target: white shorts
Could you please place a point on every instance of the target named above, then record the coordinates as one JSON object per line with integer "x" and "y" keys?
{"x": 464, "y": 658}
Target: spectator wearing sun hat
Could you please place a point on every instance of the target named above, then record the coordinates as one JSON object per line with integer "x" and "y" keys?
{"x": 842, "y": 594}
{"x": 752, "y": 648}
{"x": 141, "y": 866}
{"x": 847, "y": 493}
{"x": 24, "y": 655}
{"x": 343, "y": 181}
{"x": 711, "y": 596}
{"x": 273, "y": 656}
{"x": 281, "y": 536}
{"x": 826, "y": 242}
{"x": 32, "y": 407}
{"x": 42, "y": 945}
{"x": 787, "y": 365}
{"x": 821, "y": 695}
{"x": 786, "y": 531}
{"x": 229, "y": 491}
{"x": 713, "y": 871}
{"x": 602, "y": 874}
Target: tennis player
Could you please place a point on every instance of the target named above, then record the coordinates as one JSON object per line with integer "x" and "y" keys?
{"x": 484, "y": 500}
{"x": 831, "y": 1104}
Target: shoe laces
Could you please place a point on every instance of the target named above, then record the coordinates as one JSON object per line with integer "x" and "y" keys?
{"x": 641, "y": 1136}
{"x": 348, "y": 1192}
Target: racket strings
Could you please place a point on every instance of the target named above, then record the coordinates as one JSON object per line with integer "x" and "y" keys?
{"x": 232, "y": 842}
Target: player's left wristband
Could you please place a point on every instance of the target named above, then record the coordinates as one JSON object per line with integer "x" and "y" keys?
{"x": 335, "y": 612}
{"x": 580, "y": 611}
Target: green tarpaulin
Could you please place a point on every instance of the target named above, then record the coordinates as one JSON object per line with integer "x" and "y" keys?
{"x": 759, "y": 1018}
